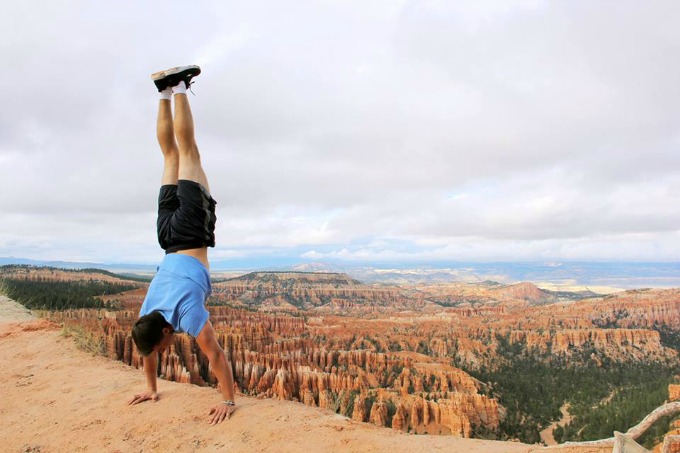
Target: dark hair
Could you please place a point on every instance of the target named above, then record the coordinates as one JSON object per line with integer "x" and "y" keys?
{"x": 148, "y": 331}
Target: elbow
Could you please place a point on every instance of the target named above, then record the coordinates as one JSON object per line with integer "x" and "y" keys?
{"x": 215, "y": 356}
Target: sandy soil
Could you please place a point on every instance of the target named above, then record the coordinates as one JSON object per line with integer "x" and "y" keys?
{"x": 57, "y": 398}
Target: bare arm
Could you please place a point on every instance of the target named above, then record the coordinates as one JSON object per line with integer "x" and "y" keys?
{"x": 150, "y": 369}
{"x": 208, "y": 343}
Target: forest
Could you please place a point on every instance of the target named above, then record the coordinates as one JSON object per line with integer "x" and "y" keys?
{"x": 603, "y": 395}
{"x": 45, "y": 294}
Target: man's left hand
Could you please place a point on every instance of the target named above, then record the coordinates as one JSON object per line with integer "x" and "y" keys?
{"x": 220, "y": 413}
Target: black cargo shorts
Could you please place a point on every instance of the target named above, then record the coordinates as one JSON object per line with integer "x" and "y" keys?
{"x": 186, "y": 217}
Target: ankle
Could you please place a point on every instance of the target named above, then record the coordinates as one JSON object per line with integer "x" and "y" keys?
{"x": 180, "y": 88}
{"x": 166, "y": 94}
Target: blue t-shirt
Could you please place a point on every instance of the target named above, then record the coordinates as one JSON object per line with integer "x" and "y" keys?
{"x": 178, "y": 291}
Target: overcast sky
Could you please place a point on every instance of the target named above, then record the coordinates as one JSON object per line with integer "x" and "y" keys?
{"x": 367, "y": 131}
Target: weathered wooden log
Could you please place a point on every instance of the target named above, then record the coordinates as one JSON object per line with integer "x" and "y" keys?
{"x": 623, "y": 443}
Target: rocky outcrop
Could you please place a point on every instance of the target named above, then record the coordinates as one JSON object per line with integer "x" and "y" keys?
{"x": 671, "y": 444}
{"x": 304, "y": 290}
{"x": 399, "y": 420}
{"x": 359, "y": 411}
{"x": 674, "y": 392}
{"x": 523, "y": 291}
{"x": 450, "y": 420}
{"x": 644, "y": 341}
{"x": 379, "y": 413}
{"x": 51, "y": 274}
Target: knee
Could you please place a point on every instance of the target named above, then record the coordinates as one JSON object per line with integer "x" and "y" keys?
{"x": 190, "y": 151}
{"x": 170, "y": 153}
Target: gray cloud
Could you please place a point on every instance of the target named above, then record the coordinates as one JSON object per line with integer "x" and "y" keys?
{"x": 430, "y": 130}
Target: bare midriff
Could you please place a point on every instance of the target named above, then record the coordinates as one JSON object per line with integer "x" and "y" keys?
{"x": 201, "y": 254}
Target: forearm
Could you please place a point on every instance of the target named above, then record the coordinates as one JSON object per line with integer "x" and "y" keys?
{"x": 222, "y": 371}
{"x": 150, "y": 370}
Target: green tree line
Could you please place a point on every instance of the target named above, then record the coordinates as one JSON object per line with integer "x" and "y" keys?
{"x": 625, "y": 408}
{"x": 59, "y": 295}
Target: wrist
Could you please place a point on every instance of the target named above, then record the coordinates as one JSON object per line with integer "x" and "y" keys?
{"x": 229, "y": 402}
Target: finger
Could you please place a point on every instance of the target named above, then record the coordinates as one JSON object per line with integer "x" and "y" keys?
{"x": 219, "y": 416}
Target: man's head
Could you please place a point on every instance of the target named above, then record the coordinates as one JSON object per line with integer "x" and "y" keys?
{"x": 152, "y": 333}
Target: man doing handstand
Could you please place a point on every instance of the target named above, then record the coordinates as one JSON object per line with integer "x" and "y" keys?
{"x": 186, "y": 228}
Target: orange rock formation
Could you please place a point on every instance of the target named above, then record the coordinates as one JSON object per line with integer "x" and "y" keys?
{"x": 388, "y": 355}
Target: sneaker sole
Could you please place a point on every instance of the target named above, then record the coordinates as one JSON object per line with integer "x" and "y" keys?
{"x": 173, "y": 76}
{"x": 176, "y": 70}
{"x": 158, "y": 75}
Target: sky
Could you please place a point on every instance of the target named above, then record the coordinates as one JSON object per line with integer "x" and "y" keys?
{"x": 349, "y": 131}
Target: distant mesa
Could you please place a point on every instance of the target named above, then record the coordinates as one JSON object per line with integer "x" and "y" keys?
{"x": 301, "y": 291}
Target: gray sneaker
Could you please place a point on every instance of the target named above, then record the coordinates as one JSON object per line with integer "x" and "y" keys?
{"x": 173, "y": 76}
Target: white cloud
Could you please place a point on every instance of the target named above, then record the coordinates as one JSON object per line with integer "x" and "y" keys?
{"x": 380, "y": 130}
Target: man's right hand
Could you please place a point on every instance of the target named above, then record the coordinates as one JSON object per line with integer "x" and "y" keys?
{"x": 153, "y": 396}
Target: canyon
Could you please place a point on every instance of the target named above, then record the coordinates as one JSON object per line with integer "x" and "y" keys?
{"x": 394, "y": 356}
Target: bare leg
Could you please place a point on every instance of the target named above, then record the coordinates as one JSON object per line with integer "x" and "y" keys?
{"x": 189, "y": 159}
{"x": 166, "y": 139}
